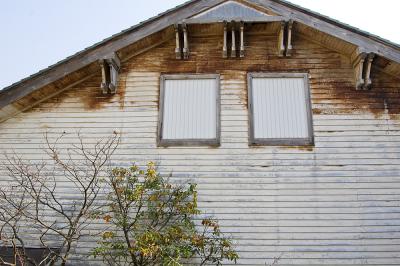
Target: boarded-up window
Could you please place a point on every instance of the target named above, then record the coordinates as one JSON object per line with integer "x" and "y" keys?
{"x": 280, "y": 111}
{"x": 189, "y": 110}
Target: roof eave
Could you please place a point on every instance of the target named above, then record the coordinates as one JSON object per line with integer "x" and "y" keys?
{"x": 118, "y": 41}
{"x": 102, "y": 49}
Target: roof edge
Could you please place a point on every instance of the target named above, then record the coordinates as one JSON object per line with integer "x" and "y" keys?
{"x": 46, "y": 76}
{"x": 339, "y": 24}
{"x": 96, "y": 45}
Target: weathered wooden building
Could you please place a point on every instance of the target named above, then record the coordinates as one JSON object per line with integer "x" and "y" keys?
{"x": 289, "y": 121}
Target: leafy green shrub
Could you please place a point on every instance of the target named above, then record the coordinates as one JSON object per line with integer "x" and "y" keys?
{"x": 151, "y": 222}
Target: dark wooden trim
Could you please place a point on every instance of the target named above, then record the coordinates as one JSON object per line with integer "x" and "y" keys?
{"x": 280, "y": 141}
{"x": 189, "y": 142}
{"x": 246, "y": 20}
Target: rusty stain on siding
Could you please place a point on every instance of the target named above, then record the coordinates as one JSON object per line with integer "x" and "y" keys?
{"x": 302, "y": 148}
{"x": 230, "y": 76}
{"x": 331, "y": 77}
{"x": 331, "y": 72}
{"x": 94, "y": 99}
{"x": 383, "y": 98}
{"x": 89, "y": 93}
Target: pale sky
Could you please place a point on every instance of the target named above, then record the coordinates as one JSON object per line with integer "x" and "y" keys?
{"x": 38, "y": 33}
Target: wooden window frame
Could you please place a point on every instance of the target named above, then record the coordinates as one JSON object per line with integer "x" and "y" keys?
{"x": 188, "y": 142}
{"x": 280, "y": 141}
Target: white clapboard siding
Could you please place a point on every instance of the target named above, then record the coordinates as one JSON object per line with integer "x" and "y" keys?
{"x": 279, "y": 108}
{"x": 337, "y": 203}
{"x": 189, "y": 109}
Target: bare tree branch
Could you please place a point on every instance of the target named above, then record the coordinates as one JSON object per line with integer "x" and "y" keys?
{"x": 37, "y": 198}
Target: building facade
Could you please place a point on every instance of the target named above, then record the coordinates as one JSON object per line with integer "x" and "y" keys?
{"x": 288, "y": 121}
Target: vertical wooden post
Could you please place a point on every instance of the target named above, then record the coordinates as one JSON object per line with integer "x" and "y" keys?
{"x": 225, "y": 48}
{"x": 281, "y": 45}
{"x": 358, "y": 65}
{"x": 185, "y": 42}
{"x": 105, "y": 73}
{"x": 233, "y": 50}
{"x": 242, "y": 39}
{"x": 367, "y": 73}
{"x": 115, "y": 64}
{"x": 113, "y": 79}
{"x": 289, "y": 38}
{"x": 178, "y": 52}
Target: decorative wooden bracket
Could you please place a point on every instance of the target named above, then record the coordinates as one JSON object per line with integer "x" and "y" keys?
{"x": 234, "y": 32}
{"x": 178, "y": 50}
{"x": 225, "y": 45}
{"x": 285, "y": 38}
{"x": 281, "y": 41}
{"x": 289, "y": 47}
{"x": 105, "y": 75}
{"x": 233, "y": 46}
{"x": 181, "y": 36}
{"x": 110, "y": 67}
{"x": 362, "y": 64}
{"x": 185, "y": 42}
{"x": 367, "y": 75}
{"x": 241, "y": 39}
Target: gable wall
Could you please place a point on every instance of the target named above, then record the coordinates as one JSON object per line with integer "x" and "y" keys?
{"x": 336, "y": 203}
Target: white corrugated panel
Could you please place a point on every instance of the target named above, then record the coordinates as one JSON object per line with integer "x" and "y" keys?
{"x": 231, "y": 9}
{"x": 190, "y": 109}
{"x": 279, "y": 108}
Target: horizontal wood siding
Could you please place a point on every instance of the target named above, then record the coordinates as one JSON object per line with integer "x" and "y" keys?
{"x": 336, "y": 203}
